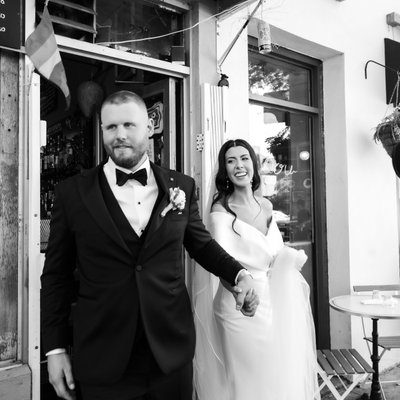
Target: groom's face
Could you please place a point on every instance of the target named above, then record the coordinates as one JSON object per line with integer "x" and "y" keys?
{"x": 126, "y": 130}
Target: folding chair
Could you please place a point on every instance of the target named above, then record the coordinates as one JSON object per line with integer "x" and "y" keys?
{"x": 339, "y": 363}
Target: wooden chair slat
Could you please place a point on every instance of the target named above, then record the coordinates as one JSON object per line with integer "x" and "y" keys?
{"x": 343, "y": 362}
{"x": 387, "y": 342}
{"x": 361, "y": 360}
{"x": 356, "y": 365}
{"x": 370, "y": 288}
{"x": 324, "y": 363}
{"x": 334, "y": 363}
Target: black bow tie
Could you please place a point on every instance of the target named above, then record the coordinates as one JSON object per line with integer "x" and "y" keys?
{"x": 140, "y": 176}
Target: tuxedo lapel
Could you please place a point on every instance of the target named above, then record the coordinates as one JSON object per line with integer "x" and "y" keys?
{"x": 164, "y": 182}
{"x": 92, "y": 197}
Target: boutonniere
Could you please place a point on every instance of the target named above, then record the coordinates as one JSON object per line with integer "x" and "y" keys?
{"x": 177, "y": 200}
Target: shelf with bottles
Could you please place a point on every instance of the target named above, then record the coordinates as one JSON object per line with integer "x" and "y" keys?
{"x": 64, "y": 155}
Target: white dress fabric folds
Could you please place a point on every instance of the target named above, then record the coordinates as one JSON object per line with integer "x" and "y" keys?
{"x": 270, "y": 356}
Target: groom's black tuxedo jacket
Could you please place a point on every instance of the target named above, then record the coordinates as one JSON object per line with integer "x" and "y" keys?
{"x": 120, "y": 279}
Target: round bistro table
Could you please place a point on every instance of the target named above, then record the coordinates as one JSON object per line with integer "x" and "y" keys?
{"x": 352, "y": 304}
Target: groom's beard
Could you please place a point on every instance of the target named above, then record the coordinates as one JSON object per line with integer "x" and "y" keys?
{"x": 125, "y": 156}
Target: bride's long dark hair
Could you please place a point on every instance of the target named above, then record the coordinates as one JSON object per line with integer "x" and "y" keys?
{"x": 223, "y": 184}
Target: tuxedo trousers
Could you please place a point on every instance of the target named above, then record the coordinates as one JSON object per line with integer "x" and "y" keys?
{"x": 143, "y": 379}
{"x": 174, "y": 386}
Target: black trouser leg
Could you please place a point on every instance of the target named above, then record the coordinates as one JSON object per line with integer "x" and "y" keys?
{"x": 176, "y": 386}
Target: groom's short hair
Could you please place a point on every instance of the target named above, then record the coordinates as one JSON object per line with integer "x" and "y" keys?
{"x": 124, "y": 96}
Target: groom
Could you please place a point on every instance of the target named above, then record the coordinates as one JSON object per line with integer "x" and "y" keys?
{"x": 123, "y": 233}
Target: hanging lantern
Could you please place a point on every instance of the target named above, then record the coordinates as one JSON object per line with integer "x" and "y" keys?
{"x": 264, "y": 32}
{"x": 264, "y": 37}
{"x": 89, "y": 96}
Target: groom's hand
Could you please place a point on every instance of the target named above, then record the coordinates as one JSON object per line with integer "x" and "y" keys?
{"x": 60, "y": 375}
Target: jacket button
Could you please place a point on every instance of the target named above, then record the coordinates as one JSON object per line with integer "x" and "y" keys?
{"x": 139, "y": 267}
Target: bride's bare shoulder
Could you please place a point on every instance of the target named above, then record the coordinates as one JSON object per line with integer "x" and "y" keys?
{"x": 266, "y": 206}
{"x": 218, "y": 207}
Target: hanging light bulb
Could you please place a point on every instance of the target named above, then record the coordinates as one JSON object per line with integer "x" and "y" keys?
{"x": 264, "y": 33}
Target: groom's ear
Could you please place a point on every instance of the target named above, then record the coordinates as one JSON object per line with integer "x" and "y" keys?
{"x": 150, "y": 126}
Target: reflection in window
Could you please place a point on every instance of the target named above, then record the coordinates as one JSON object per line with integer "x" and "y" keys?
{"x": 269, "y": 77}
{"x": 123, "y": 20}
{"x": 281, "y": 140}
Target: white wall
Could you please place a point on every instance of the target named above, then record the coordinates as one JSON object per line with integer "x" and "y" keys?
{"x": 362, "y": 197}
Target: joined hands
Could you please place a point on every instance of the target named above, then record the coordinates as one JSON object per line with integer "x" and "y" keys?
{"x": 245, "y": 295}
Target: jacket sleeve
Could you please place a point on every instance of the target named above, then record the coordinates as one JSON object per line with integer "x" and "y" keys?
{"x": 57, "y": 279}
{"x": 203, "y": 248}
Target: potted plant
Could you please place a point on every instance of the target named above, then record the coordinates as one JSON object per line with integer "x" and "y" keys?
{"x": 388, "y": 131}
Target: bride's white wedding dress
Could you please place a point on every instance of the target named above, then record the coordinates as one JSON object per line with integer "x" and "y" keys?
{"x": 270, "y": 356}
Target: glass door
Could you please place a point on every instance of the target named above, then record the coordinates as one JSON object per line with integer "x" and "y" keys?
{"x": 284, "y": 109}
{"x": 284, "y": 149}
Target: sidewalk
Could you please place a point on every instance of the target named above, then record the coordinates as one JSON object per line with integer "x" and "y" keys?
{"x": 391, "y": 390}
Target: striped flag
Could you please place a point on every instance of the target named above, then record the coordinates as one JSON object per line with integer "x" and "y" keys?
{"x": 41, "y": 47}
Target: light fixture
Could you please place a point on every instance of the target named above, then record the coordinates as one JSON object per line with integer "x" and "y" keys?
{"x": 304, "y": 155}
{"x": 223, "y": 81}
{"x": 264, "y": 37}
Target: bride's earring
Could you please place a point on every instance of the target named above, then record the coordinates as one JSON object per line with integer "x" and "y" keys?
{"x": 227, "y": 182}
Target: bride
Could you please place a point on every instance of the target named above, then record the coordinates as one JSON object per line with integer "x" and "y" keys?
{"x": 272, "y": 355}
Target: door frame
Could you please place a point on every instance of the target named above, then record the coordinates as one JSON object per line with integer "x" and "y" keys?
{"x": 314, "y": 111}
{"x": 166, "y": 88}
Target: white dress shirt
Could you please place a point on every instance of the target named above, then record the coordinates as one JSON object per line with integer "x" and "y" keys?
{"x": 136, "y": 201}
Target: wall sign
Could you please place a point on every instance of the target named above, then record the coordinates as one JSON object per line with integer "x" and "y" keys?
{"x": 10, "y": 23}
{"x": 392, "y": 60}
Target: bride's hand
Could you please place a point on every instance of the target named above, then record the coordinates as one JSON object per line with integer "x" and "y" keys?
{"x": 250, "y": 304}
{"x": 248, "y": 299}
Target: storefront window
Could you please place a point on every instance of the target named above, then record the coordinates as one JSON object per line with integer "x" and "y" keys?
{"x": 129, "y": 21}
{"x": 126, "y": 25}
{"x": 279, "y": 79}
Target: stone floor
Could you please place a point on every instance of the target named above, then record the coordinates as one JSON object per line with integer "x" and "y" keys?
{"x": 391, "y": 390}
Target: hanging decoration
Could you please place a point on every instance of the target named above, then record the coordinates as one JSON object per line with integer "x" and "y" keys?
{"x": 41, "y": 47}
{"x": 264, "y": 33}
{"x": 388, "y": 130}
{"x": 90, "y": 96}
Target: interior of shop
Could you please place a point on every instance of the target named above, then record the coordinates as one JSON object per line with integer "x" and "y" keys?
{"x": 74, "y": 134}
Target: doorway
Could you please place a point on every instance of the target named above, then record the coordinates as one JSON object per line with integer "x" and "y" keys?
{"x": 73, "y": 136}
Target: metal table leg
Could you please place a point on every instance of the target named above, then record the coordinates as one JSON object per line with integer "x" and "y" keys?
{"x": 376, "y": 393}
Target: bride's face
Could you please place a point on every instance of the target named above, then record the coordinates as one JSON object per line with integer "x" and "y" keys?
{"x": 239, "y": 166}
